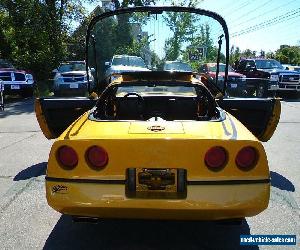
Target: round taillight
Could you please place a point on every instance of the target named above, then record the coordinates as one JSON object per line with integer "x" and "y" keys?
{"x": 246, "y": 158}
{"x": 97, "y": 157}
{"x": 215, "y": 157}
{"x": 67, "y": 157}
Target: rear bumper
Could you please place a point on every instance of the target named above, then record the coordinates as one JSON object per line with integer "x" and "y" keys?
{"x": 204, "y": 201}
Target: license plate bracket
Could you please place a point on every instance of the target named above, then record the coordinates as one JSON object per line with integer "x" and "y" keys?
{"x": 156, "y": 183}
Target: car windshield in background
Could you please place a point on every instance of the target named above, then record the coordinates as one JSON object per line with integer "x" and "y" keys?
{"x": 268, "y": 64}
{"x": 221, "y": 68}
{"x": 5, "y": 64}
{"x": 177, "y": 66}
{"x": 157, "y": 90}
{"x": 129, "y": 61}
{"x": 143, "y": 40}
{"x": 71, "y": 67}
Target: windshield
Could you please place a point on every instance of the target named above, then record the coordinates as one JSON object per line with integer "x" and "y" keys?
{"x": 157, "y": 90}
{"x": 177, "y": 66}
{"x": 213, "y": 68}
{"x": 5, "y": 64}
{"x": 129, "y": 61}
{"x": 163, "y": 39}
{"x": 268, "y": 64}
{"x": 66, "y": 67}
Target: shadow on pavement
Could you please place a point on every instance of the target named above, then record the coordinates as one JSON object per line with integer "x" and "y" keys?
{"x": 33, "y": 171}
{"x": 281, "y": 182}
{"x": 21, "y": 106}
{"x": 146, "y": 234}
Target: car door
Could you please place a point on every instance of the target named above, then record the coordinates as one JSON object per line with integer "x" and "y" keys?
{"x": 260, "y": 116}
{"x": 55, "y": 115}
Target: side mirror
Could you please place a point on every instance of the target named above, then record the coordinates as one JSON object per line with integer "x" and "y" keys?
{"x": 93, "y": 70}
{"x": 107, "y": 63}
{"x": 55, "y": 71}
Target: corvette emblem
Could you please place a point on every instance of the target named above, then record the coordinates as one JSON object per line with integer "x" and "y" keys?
{"x": 156, "y": 128}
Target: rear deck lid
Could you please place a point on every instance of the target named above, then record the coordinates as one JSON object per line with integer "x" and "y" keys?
{"x": 156, "y": 128}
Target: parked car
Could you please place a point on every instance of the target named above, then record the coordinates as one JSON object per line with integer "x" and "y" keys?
{"x": 267, "y": 77}
{"x": 157, "y": 144}
{"x": 123, "y": 63}
{"x": 236, "y": 84}
{"x": 177, "y": 66}
{"x": 70, "y": 78}
{"x": 15, "y": 81}
{"x": 294, "y": 68}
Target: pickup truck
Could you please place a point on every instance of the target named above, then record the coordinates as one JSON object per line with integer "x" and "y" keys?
{"x": 236, "y": 82}
{"x": 123, "y": 63}
{"x": 267, "y": 77}
{"x": 70, "y": 78}
{"x": 15, "y": 81}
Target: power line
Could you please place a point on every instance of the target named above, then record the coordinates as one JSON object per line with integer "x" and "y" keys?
{"x": 251, "y": 11}
{"x": 267, "y": 12}
{"x": 287, "y": 16}
{"x": 239, "y": 7}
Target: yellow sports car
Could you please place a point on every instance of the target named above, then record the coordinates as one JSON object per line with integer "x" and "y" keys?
{"x": 157, "y": 144}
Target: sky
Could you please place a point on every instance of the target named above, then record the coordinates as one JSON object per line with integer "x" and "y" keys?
{"x": 256, "y": 24}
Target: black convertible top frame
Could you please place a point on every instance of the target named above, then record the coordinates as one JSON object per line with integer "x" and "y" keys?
{"x": 159, "y": 10}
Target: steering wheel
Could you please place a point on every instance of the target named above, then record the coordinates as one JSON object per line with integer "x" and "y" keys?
{"x": 141, "y": 104}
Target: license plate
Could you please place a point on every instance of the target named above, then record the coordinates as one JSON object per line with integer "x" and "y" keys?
{"x": 156, "y": 183}
{"x": 14, "y": 86}
{"x": 73, "y": 86}
{"x": 157, "y": 180}
{"x": 233, "y": 85}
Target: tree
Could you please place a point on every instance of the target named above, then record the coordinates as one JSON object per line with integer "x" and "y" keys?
{"x": 37, "y": 32}
{"x": 288, "y": 55}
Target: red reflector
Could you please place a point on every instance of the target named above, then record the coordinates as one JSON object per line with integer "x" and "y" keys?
{"x": 67, "y": 156}
{"x": 246, "y": 157}
{"x": 97, "y": 157}
{"x": 216, "y": 157}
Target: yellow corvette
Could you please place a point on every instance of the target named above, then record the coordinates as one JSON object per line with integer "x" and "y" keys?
{"x": 157, "y": 145}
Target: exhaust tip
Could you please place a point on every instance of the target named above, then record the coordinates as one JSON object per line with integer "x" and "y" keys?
{"x": 81, "y": 219}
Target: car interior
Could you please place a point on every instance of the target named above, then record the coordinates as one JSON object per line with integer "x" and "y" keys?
{"x": 169, "y": 106}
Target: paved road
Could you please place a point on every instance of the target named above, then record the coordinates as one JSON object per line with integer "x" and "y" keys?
{"x": 26, "y": 221}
